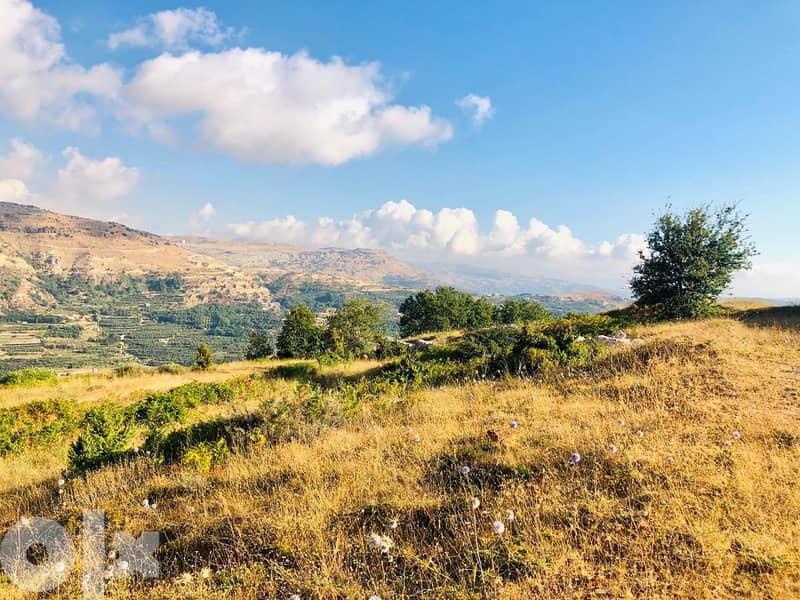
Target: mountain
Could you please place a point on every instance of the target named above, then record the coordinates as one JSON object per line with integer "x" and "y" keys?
{"x": 78, "y": 292}
{"x": 557, "y": 295}
{"x": 360, "y": 266}
{"x": 38, "y": 246}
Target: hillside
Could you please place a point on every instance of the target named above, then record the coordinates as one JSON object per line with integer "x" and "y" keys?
{"x": 361, "y": 266}
{"x": 667, "y": 470}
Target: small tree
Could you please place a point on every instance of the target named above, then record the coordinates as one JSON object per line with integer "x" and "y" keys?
{"x": 108, "y": 431}
{"x": 691, "y": 261}
{"x": 258, "y": 346}
{"x": 204, "y": 358}
{"x": 300, "y": 336}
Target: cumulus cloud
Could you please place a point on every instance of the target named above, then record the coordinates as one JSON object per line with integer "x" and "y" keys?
{"x": 38, "y": 80}
{"x": 200, "y": 220}
{"x": 82, "y": 186}
{"x": 86, "y": 182}
{"x": 448, "y": 232}
{"x": 21, "y": 161}
{"x": 14, "y": 190}
{"x": 173, "y": 30}
{"x": 254, "y": 104}
{"x": 270, "y": 107}
{"x": 479, "y": 108}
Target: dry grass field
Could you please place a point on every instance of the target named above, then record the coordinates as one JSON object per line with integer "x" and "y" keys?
{"x": 669, "y": 470}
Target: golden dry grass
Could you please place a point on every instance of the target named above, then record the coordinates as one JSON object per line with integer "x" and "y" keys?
{"x": 685, "y": 509}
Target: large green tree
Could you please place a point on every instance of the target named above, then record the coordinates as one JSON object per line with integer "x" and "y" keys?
{"x": 520, "y": 310}
{"x": 354, "y": 329}
{"x": 690, "y": 260}
{"x": 444, "y": 309}
{"x": 300, "y": 336}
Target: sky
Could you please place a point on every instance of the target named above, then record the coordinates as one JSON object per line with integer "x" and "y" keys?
{"x": 537, "y": 138}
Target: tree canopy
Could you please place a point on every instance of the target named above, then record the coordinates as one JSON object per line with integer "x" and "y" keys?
{"x": 300, "y": 336}
{"x": 691, "y": 260}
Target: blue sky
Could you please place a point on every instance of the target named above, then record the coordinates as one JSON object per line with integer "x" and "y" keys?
{"x": 600, "y": 113}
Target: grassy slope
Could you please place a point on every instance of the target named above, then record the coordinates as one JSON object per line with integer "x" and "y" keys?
{"x": 675, "y": 513}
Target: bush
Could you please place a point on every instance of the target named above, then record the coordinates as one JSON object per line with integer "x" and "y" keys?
{"x": 161, "y": 410}
{"x": 108, "y": 431}
{"x": 171, "y": 368}
{"x": 28, "y": 377}
{"x": 204, "y": 455}
{"x": 129, "y": 370}
{"x": 37, "y": 423}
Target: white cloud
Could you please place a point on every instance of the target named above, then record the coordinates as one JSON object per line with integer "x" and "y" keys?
{"x": 21, "y": 162}
{"x": 38, "y": 80}
{"x": 769, "y": 279}
{"x": 200, "y": 220}
{"x": 14, "y": 190}
{"x": 83, "y": 181}
{"x": 455, "y": 234}
{"x": 269, "y": 107}
{"x": 478, "y": 107}
{"x": 173, "y": 30}
{"x": 82, "y": 186}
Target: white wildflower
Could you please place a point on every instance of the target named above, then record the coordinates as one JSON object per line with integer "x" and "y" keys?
{"x": 498, "y": 527}
{"x": 381, "y": 543}
{"x": 465, "y": 470}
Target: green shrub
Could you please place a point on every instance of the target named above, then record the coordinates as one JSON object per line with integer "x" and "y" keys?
{"x": 36, "y": 424}
{"x": 158, "y": 411}
{"x": 301, "y": 371}
{"x": 172, "y": 369}
{"x": 129, "y": 370}
{"x": 108, "y": 431}
{"x": 204, "y": 455}
{"x": 28, "y": 377}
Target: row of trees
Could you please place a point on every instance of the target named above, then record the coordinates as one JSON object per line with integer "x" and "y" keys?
{"x": 353, "y": 330}
{"x": 447, "y": 308}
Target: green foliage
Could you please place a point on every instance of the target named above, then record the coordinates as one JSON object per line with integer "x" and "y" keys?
{"x": 160, "y": 410}
{"x": 354, "y": 330}
{"x": 520, "y": 310}
{"x": 204, "y": 455}
{"x": 300, "y": 336}
{"x": 129, "y": 370}
{"x": 171, "y": 369}
{"x": 108, "y": 431}
{"x": 204, "y": 358}
{"x": 444, "y": 309}
{"x": 691, "y": 261}
{"x": 28, "y": 377}
{"x": 64, "y": 331}
{"x": 301, "y": 371}
{"x": 258, "y": 346}
{"x": 36, "y": 424}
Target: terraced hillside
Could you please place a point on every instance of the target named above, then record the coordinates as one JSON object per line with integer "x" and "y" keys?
{"x": 667, "y": 470}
